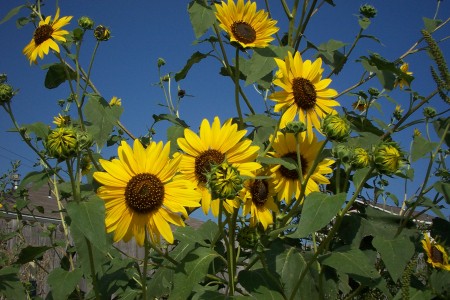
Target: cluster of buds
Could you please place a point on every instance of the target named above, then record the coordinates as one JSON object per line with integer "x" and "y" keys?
{"x": 102, "y": 33}
{"x": 224, "y": 181}
{"x": 335, "y": 127}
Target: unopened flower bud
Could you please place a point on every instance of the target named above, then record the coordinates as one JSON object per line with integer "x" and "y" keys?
{"x": 85, "y": 140}
{"x": 335, "y": 127}
{"x": 361, "y": 158}
{"x": 388, "y": 158}
{"x": 248, "y": 237}
{"x": 102, "y": 33}
{"x": 429, "y": 112}
{"x": 224, "y": 181}
{"x": 6, "y": 93}
{"x": 161, "y": 62}
{"x": 342, "y": 152}
{"x": 86, "y": 23}
{"x": 295, "y": 127}
{"x": 373, "y": 92}
{"x": 398, "y": 112}
{"x": 3, "y": 78}
{"x": 62, "y": 143}
{"x": 165, "y": 78}
{"x": 181, "y": 93}
{"x": 368, "y": 11}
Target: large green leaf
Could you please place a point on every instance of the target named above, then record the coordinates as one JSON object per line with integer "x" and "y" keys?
{"x": 421, "y": 147}
{"x": 63, "y": 282}
{"x": 194, "y": 59}
{"x": 396, "y": 253}
{"x": 101, "y": 118}
{"x": 10, "y": 285}
{"x": 39, "y": 129}
{"x": 440, "y": 125}
{"x": 359, "y": 175}
{"x": 260, "y": 120}
{"x": 260, "y": 285}
{"x": 385, "y": 70}
{"x": 35, "y": 179}
{"x": 31, "y": 253}
{"x": 202, "y": 17}
{"x": 192, "y": 271}
{"x": 318, "y": 210}
{"x": 57, "y": 74}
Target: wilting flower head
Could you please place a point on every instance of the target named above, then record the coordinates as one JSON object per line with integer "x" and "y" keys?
{"x": 361, "y": 158}
{"x": 102, "y": 33}
{"x": 86, "y": 23}
{"x": 6, "y": 93}
{"x": 224, "y": 181}
{"x": 61, "y": 121}
{"x": 388, "y": 157}
{"x": 62, "y": 143}
{"x": 304, "y": 92}
{"x": 437, "y": 256}
{"x": 142, "y": 193}
{"x": 45, "y": 37}
{"x": 400, "y": 81}
{"x": 246, "y": 26}
{"x": 368, "y": 11}
{"x": 115, "y": 101}
{"x": 335, "y": 127}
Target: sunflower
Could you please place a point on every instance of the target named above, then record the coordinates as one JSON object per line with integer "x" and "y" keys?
{"x": 257, "y": 196}
{"x": 44, "y": 37}
{"x": 287, "y": 182}
{"x": 304, "y": 92}
{"x": 140, "y": 192}
{"x": 437, "y": 256}
{"x": 400, "y": 82}
{"x": 245, "y": 25}
{"x": 214, "y": 145}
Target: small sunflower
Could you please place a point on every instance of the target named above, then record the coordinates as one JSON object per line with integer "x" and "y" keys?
{"x": 304, "y": 92}
{"x": 258, "y": 201}
{"x": 115, "y": 101}
{"x": 45, "y": 36}
{"x": 214, "y": 145}
{"x": 400, "y": 82}
{"x": 245, "y": 25}
{"x": 61, "y": 121}
{"x": 437, "y": 256}
{"x": 287, "y": 182}
{"x": 140, "y": 192}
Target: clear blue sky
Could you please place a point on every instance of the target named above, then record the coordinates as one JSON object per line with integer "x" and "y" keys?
{"x": 144, "y": 30}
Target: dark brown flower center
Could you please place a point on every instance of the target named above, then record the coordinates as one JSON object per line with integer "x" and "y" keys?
{"x": 293, "y": 174}
{"x": 304, "y": 93}
{"x": 42, "y": 33}
{"x": 144, "y": 193}
{"x": 436, "y": 255}
{"x": 260, "y": 192}
{"x": 204, "y": 161}
{"x": 243, "y": 32}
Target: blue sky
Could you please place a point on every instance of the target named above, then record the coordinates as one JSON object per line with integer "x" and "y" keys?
{"x": 142, "y": 31}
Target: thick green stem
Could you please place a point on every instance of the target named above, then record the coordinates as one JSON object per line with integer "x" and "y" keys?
{"x": 236, "y": 90}
{"x": 145, "y": 266}
{"x": 92, "y": 266}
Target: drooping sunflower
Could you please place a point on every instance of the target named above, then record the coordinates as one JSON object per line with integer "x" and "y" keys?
{"x": 257, "y": 196}
{"x": 141, "y": 192}
{"x": 245, "y": 25}
{"x": 304, "y": 92}
{"x": 214, "y": 145}
{"x": 437, "y": 256}
{"x": 46, "y": 36}
{"x": 287, "y": 182}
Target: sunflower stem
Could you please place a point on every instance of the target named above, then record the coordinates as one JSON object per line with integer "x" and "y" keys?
{"x": 92, "y": 266}
{"x": 236, "y": 90}
{"x": 231, "y": 252}
{"x": 145, "y": 266}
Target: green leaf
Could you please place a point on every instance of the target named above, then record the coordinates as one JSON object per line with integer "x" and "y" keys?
{"x": 439, "y": 126}
{"x": 396, "y": 253}
{"x": 421, "y": 147}
{"x": 188, "y": 234}
{"x": 202, "y": 17}
{"x": 10, "y": 285}
{"x": 431, "y": 24}
{"x": 12, "y": 13}
{"x": 56, "y": 75}
{"x": 362, "y": 124}
{"x": 352, "y": 262}
{"x": 359, "y": 176}
{"x": 89, "y": 218}
{"x": 191, "y": 271}
{"x": 440, "y": 283}
{"x": 100, "y": 118}
{"x": 440, "y": 229}
{"x": 444, "y": 189}
{"x": 173, "y": 133}
{"x": 171, "y": 118}
{"x": 63, "y": 282}
{"x": 194, "y": 59}
{"x": 259, "y": 284}
{"x": 39, "y": 129}
{"x": 285, "y": 162}
{"x": 384, "y": 69}
{"x": 260, "y": 120}
{"x": 34, "y": 179}
{"x": 31, "y": 253}
{"x": 364, "y": 23}
{"x": 318, "y": 210}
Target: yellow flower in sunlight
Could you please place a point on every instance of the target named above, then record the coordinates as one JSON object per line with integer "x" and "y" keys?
{"x": 400, "y": 81}
{"x": 61, "y": 121}
{"x": 304, "y": 92}
{"x": 45, "y": 37}
{"x": 214, "y": 145}
{"x": 287, "y": 182}
{"x": 258, "y": 201}
{"x": 115, "y": 101}
{"x": 437, "y": 256}
{"x": 245, "y": 25}
{"x": 141, "y": 193}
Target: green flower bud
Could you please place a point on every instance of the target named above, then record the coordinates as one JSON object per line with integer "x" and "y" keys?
{"x": 102, "y": 33}
{"x": 361, "y": 158}
{"x": 6, "y": 93}
{"x": 86, "y": 23}
{"x": 3, "y": 78}
{"x": 224, "y": 181}
{"x": 295, "y": 127}
{"x": 388, "y": 158}
{"x": 165, "y": 78}
{"x": 248, "y": 237}
{"x": 373, "y": 92}
{"x": 62, "y": 143}
{"x": 161, "y": 62}
{"x": 429, "y": 112}
{"x": 335, "y": 127}
{"x": 85, "y": 140}
{"x": 368, "y": 11}
{"x": 342, "y": 152}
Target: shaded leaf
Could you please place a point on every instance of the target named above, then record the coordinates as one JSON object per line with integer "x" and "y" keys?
{"x": 260, "y": 120}
{"x": 63, "y": 282}
{"x": 421, "y": 147}
{"x": 439, "y": 126}
{"x": 39, "y": 129}
{"x": 359, "y": 175}
{"x": 57, "y": 74}
{"x": 34, "y": 180}
{"x": 444, "y": 189}
{"x": 288, "y": 163}
{"x": 10, "y": 285}
{"x": 31, "y": 253}
{"x": 194, "y": 59}
{"x": 259, "y": 284}
{"x": 202, "y": 17}
{"x": 440, "y": 230}
{"x": 171, "y": 118}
